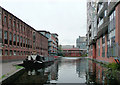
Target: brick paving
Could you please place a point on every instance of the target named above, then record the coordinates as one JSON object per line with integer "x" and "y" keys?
{"x": 8, "y": 68}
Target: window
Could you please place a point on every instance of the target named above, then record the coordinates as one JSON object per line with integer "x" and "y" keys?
{"x": 10, "y": 22}
{"x": 14, "y": 23}
{"x": 111, "y": 28}
{"x": 109, "y": 1}
{"x": 99, "y": 47}
{"x": 14, "y": 52}
{"x": 21, "y": 53}
{"x": 5, "y": 19}
{"x": 112, "y": 19}
{"x": 103, "y": 39}
{"x": 17, "y": 40}
{"x": 0, "y": 35}
{"x": 34, "y": 37}
{"x": 0, "y": 16}
{"x": 24, "y": 29}
{"x": 105, "y": 13}
{"x": 24, "y": 53}
{"x": 18, "y": 53}
{"x": 6, "y": 37}
{"x": 14, "y": 39}
{"x": 111, "y": 50}
{"x": 10, "y": 38}
{"x": 6, "y": 52}
{"x": 26, "y": 42}
{"x": 11, "y": 53}
{"x": 21, "y": 28}
{"x": 21, "y": 41}
{"x": 103, "y": 51}
{"x": 0, "y": 52}
{"x": 17, "y": 25}
{"x": 114, "y": 13}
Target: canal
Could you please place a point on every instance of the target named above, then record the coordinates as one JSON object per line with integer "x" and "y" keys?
{"x": 69, "y": 70}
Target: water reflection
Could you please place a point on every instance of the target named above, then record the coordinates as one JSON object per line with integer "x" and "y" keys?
{"x": 98, "y": 74}
{"x": 43, "y": 75}
{"x": 69, "y": 70}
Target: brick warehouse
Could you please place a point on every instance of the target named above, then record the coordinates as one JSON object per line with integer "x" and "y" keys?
{"x": 103, "y": 30}
{"x": 18, "y": 39}
{"x": 73, "y": 52}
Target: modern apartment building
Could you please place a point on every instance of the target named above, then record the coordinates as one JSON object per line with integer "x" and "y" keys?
{"x": 52, "y": 42}
{"x": 18, "y": 39}
{"x": 81, "y": 43}
{"x": 103, "y": 29}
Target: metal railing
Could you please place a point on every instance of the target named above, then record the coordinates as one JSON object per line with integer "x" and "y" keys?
{"x": 100, "y": 23}
{"x": 102, "y": 5}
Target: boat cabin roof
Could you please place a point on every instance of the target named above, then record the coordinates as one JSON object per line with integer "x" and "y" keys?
{"x": 34, "y": 57}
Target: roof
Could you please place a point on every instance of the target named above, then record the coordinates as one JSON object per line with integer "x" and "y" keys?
{"x": 44, "y": 31}
{"x": 72, "y": 49}
{"x": 54, "y": 34}
{"x": 20, "y": 20}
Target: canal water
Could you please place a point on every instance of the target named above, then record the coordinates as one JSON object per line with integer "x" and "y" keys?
{"x": 69, "y": 70}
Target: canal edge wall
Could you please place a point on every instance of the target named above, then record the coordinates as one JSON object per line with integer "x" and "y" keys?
{"x": 98, "y": 61}
{"x": 12, "y": 76}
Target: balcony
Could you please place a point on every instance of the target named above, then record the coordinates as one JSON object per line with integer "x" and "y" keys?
{"x": 50, "y": 49}
{"x": 100, "y": 23}
{"x": 111, "y": 7}
{"x": 92, "y": 41}
{"x": 102, "y": 27}
{"x": 100, "y": 8}
{"x": 49, "y": 44}
{"x": 49, "y": 40}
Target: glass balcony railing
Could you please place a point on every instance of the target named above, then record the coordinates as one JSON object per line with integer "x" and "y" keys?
{"x": 100, "y": 8}
{"x": 100, "y": 23}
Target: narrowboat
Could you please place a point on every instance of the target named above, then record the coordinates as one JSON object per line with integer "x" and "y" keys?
{"x": 36, "y": 61}
{"x": 33, "y": 61}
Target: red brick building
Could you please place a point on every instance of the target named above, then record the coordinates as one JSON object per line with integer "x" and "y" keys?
{"x": 96, "y": 73}
{"x": 18, "y": 39}
{"x": 73, "y": 52}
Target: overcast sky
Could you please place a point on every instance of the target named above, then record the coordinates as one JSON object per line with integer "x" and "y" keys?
{"x": 67, "y": 18}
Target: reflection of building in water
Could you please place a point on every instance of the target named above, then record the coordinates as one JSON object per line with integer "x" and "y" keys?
{"x": 98, "y": 74}
{"x": 52, "y": 72}
{"x": 91, "y": 74}
{"x": 95, "y": 73}
{"x": 32, "y": 76}
{"x": 43, "y": 75}
{"x": 69, "y": 61}
{"x": 81, "y": 67}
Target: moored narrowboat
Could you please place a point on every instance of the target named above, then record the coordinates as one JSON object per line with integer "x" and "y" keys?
{"x": 36, "y": 61}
